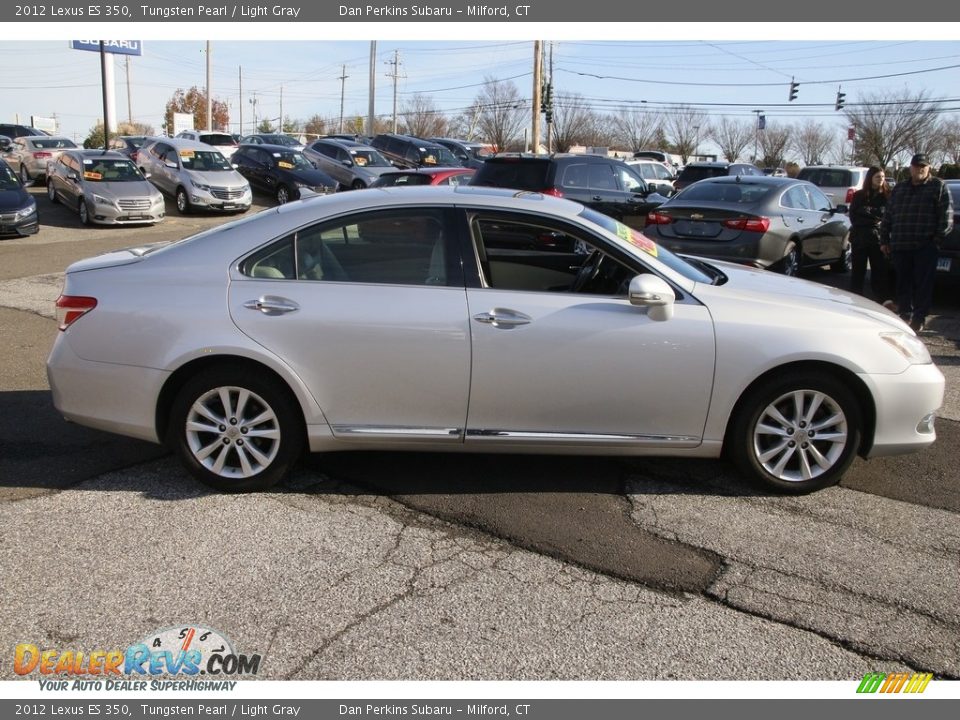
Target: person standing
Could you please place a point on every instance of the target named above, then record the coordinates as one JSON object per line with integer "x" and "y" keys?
{"x": 866, "y": 214}
{"x": 919, "y": 216}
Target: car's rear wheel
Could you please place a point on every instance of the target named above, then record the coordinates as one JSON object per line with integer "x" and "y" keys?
{"x": 845, "y": 262}
{"x": 52, "y": 193}
{"x": 236, "y": 430}
{"x": 183, "y": 201}
{"x": 83, "y": 211}
{"x": 790, "y": 264}
{"x": 798, "y": 433}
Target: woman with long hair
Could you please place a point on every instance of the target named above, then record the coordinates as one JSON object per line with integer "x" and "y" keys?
{"x": 866, "y": 213}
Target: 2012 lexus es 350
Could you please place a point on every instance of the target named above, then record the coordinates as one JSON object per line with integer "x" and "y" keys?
{"x": 477, "y": 320}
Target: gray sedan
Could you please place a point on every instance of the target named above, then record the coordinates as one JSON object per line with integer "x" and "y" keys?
{"x": 104, "y": 187}
{"x": 478, "y": 320}
{"x": 29, "y": 155}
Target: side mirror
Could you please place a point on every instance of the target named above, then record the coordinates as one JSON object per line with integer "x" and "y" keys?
{"x": 652, "y": 292}
{"x": 170, "y": 164}
{"x": 235, "y": 166}
{"x": 73, "y": 177}
{"x": 146, "y": 175}
{"x": 841, "y": 208}
{"x": 347, "y": 163}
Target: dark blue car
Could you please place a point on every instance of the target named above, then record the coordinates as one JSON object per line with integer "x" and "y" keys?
{"x": 281, "y": 171}
{"x": 18, "y": 209}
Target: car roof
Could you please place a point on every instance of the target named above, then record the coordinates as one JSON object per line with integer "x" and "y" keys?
{"x": 543, "y": 157}
{"x": 341, "y": 142}
{"x": 268, "y": 147}
{"x": 109, "y": 154}
{"x": 753, "y": 180}
{"x": 187, "y": 144}
{"x": 430, "y": 171}
{"x": 834, "y": 167}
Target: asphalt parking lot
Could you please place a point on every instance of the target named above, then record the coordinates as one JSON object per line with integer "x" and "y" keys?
{"x": 421, "y": 566}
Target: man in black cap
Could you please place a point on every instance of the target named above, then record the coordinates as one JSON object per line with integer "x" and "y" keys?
{"x": 919, "y": 216}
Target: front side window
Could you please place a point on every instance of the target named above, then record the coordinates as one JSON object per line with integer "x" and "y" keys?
{"x": 393, "y": 247}
{"x": 629, "y": 180}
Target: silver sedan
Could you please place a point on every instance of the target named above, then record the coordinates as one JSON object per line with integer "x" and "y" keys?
{"x": 477, "y": 319}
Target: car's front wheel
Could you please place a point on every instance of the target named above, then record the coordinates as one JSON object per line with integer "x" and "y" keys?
{"x": 358, "y": 185}
{"x": 52, "y": 193}
{"x": 283, "y": 195}
{"x": 84, "y": 212}
{"x": 24, "y": 174}
{"x": 236, "y": 430}
{"x": 798, "y": 433}
{"x": 183, "y": 201}
{"x": 844, "y": 263}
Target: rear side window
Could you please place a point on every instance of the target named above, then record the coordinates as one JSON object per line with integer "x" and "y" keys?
{"x": 520, "y": 175}
{"x": 827, "y": 177}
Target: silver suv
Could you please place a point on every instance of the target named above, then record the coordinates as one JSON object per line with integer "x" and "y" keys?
{"x": 838, "y": 182}
{"x": 351, "y": 164}
{"x": 194, "y": 173}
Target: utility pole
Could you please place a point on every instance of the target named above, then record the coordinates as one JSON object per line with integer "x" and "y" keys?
{"x": 240, "y": 78}
{"x": 395, "y": 74}
{"x": 280, "y": 129}
{"x": 209, "y": 99}
{"x": 371, "y": 117}
{"x": 343, "y": 77}
{"x": 537, "y": 90}
{"x": 549, "y": 108}
{"x": 129, "y": 102}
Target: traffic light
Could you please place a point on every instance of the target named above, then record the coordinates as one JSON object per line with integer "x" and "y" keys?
{"x": 841, "y": 97}
{"x": 794, "y": 86}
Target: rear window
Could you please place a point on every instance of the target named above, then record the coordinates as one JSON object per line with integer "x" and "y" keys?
{"x": 390, "y": 179}
{"x": 52, "y": 143}
{"x": 218, "y": 139}
{"x": 725, "y": 192}
{"x": 516, "y": 174}
{"x": 826, "y": 177}
{"x": 954, "y": 189}
{"x": 693, "y": 174}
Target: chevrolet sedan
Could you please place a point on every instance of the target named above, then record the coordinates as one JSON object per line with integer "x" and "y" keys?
{"x": 477, "y": 320}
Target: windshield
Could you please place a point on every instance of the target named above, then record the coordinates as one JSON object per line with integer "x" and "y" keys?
{"x": 284, "y": 140}
{"x": 437, "y": 155}
{"x": 8, "y": 180}
{"x": 204, "y": 161}
{"x": 110, "y": 170}
{"x": 368, "y": 158}
{"x": 481, "y": 152}
{"x": 642, "y": 242}
{"x": 291, "y": 160}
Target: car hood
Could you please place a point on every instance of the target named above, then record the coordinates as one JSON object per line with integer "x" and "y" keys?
{"x": 313, "y": 178}
{"x": 14, "y": 199}
{"x": 782, "y": 299}
{"x": 218, "y": 178}
{"x": 124, "y": 189}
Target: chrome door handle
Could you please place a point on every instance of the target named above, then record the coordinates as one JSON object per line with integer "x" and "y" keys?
{"x": 272, "y": 305}
{"x": 500, "y": 318}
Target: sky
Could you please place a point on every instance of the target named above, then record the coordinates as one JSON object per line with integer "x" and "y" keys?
{"x": 725, "y": 76}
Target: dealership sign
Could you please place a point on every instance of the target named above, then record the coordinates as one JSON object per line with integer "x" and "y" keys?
{"x": 120, "y": 47}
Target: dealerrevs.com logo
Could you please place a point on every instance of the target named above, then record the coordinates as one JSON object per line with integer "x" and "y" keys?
{"x": 186, "y": 651}
{"x": 895, "y": 683}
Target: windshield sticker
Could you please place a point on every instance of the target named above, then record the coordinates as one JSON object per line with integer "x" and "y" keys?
{"x": 285, "y": 165}
{"x": 88, "y": 162}
{"x": 276, "y": 154}
{"x": 90, "y": 175}
{"x": 360, "y": 160}
{"x": 637, "y": 239}
{"x": 187, "y": 153}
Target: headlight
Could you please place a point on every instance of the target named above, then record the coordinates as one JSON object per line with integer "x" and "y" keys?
{"x": 910, "y": 346}
{"x": 200, "y": 186}
{"x": 25, "y": 212}
{"x": 101, "y": 200}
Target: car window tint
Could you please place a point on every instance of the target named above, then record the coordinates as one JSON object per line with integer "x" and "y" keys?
{"x": 795, "y": 198}
{"x": 629, "y": 180}
{"x": 454, "y": 180}
{"x": 576, "y": 176}
{"x": 601, "y": 178}
{"x": 516, "y": 174}
{"x": 536, "y": 256}
{"x": 818, "y": 201}
{"x": 692, "y": 174}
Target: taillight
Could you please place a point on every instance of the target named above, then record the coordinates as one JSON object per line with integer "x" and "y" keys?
{"x": 757, "y": 224}
{"x": 850, "y": 192}
{"x": 40, "y": 154}
{"x": 556, "y": 192}
{"x": 655, "y": 218}
{"x": 71, "y": 308}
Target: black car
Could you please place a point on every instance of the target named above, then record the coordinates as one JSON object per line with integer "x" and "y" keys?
{"x": 605, "y": 184}
{"x": 767, "y": 222}
{"x": 700, "y": 170}
{"x": 281, "y": 171}
{"x": 948, "y": 261}
{"x": 18, "y": 209}
{"x": 406, "y": 151}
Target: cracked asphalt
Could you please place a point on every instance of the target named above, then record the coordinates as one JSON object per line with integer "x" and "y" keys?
{"x": 415, "y": 566}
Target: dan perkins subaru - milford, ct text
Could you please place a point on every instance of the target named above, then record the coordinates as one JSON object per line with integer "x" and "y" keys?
{"x": 388, "y": 11}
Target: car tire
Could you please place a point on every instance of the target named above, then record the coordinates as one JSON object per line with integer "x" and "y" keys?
{"x": 52, "y": 193}
{"x": 796, "y": 434}
{"x": 24, "y": 174}
{"x": 358, "y": 185}
{"x": 216, "y": 446}
{"x": 845, "y": 262}
{"x": 789, "y": 265}
{"x": 83, "y": 211}
{"x": 183, "y": 201}
{"x": 283, "y": 195}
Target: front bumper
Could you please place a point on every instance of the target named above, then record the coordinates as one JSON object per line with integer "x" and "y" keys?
{"x": 905, "y": 408}
{"x": 114, "y": 215}
{"x": 221, "y": 199}
{"x": 29, "y": 225}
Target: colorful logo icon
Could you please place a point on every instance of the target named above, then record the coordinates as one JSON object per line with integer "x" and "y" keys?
{"x": 895, "y": 683}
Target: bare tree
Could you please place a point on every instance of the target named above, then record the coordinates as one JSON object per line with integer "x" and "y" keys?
{"x": 422, "y": 118}
{"x": 890, "y": 124}
{"x": 951, "y": 140}
{"x": 573, "y": 122}
{"x": 636, "y": 128}
{"x": 502, "y": 112}
{"x": 685, "y": 126}
{"x": 774, "y": 140}
{"x": 812, "y": 140}
{"x": 732, "y": 136}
